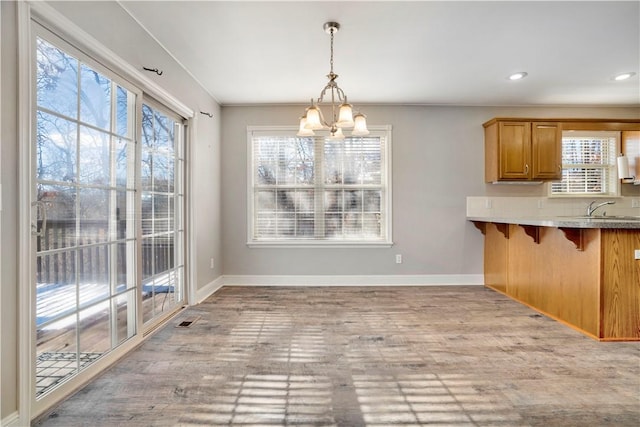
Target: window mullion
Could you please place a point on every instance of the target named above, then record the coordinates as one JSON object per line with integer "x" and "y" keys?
{"x": 318, "y": 193}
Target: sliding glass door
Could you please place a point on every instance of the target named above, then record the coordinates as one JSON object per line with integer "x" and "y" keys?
{"x": 84, "y": 167}
{"x": 108, "y": 213}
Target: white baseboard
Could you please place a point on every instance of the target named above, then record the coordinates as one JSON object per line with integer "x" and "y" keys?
{"x": 11, "y": 420}
{"x": 209, "y": 289}
{"x": 345, "y": 280}
{"x": 354, "y": 280}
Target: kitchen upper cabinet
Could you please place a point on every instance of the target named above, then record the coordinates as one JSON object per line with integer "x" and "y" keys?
{"x": 546, "y": 146}
{"x": 517, "y": 150}
{"x": 514, "y": 150}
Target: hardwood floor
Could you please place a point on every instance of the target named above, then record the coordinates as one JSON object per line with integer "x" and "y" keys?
{"x": 356, "y": 356}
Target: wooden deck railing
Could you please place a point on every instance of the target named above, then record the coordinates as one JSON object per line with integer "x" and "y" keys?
{"x": 89, "y": 252}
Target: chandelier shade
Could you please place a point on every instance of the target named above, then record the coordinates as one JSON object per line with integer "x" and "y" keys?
{"x": 303, "y": 131}
{"x": 345, "y": 117}
{"x": 360, "y": 125}
{"x": 341, "y": 116}
{"x": 313, "y": 119}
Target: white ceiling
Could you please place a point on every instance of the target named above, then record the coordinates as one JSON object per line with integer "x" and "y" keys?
{"x": 416, "y": 52}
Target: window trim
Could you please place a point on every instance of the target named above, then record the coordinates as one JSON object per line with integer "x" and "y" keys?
{"x": 387, "y": 202}
{"x": 615, "y": 191}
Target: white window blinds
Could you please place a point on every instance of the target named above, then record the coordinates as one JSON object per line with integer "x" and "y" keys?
{"x": 588, "y": 164}
{"x": 314, "y": 189}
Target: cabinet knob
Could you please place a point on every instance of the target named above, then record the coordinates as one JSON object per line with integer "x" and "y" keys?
{"x": 526, "y": 168}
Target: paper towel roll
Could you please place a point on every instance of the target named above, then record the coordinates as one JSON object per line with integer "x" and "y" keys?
{"x": 623, "y": 168}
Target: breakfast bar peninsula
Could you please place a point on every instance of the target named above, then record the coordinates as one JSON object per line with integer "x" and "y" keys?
{"x": 581, "y": 271}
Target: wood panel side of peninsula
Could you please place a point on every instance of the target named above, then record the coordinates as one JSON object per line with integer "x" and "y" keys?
{"x": 594, "y": 289}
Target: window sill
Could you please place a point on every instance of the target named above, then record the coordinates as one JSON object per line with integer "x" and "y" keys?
{"x": 285, "y": 244}
{"x": 585, "y": 196}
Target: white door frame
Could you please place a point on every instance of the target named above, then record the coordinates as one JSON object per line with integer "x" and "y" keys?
{"x": 25, "y": 273}
{"x": 0, "y": 216}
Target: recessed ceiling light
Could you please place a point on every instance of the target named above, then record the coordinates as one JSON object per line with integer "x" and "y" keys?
{"x": 623, "y": 76}
{"x": 517, "y": 76}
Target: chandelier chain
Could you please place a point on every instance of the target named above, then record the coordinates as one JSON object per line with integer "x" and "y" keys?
{"x": 331, "y": 61}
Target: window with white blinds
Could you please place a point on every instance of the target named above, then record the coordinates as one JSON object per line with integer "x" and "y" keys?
{"x": 314, "y": 190}
{"x": 588, "y": 164}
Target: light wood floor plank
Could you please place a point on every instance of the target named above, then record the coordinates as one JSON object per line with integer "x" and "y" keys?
{"x": 356, "y": 356}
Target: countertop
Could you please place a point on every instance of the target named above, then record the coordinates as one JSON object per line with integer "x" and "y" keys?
{"x": 566, "y": 222}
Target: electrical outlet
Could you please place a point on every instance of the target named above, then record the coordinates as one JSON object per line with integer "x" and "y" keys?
{"x": 637, "y": 253}
{"x": 635, "y": 203}
{"x": 540, "y": 203}
{"x": 398, "y": 259}
{"x": 487, "y": 203}
{"x": 211, "y": 263}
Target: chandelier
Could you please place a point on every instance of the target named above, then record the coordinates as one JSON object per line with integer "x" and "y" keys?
{"x": 342, "y": 116}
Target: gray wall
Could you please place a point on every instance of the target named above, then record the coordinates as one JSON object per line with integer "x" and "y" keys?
{"x": 109, "y": 24}
{"x": 438, "y": 160}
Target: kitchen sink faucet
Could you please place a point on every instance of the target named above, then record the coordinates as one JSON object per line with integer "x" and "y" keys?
{"x": 591, "y": 209}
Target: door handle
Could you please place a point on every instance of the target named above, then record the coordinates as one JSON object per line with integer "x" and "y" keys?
{"x": 526, "y": 169}
{"x": 34, "y": 227}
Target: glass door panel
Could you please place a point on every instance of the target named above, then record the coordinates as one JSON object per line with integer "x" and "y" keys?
{"x": 84, "y": 169}
{"x": 162, "y": 221}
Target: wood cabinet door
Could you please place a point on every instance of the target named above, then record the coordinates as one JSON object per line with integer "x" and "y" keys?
{"x": 515, "y": 150}
{"x": 546, "y": 146}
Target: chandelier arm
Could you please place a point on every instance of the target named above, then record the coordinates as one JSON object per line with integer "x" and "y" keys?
{"x": 322, "y": 94}
{"x": 341, "y": 96}
{"x": 334, "y": 118}
{"x": 322, "y": 119}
